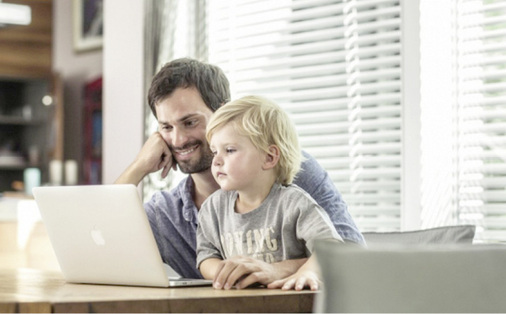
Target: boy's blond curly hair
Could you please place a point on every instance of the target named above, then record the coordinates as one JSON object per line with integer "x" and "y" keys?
{"x": 265, "y": 124}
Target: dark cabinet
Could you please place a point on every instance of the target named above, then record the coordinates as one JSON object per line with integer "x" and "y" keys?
{"x": 30, "y": 127}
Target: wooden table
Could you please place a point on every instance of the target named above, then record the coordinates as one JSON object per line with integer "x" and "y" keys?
{"x": 29, "y": 290}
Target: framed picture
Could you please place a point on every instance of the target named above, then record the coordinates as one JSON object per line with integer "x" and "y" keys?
{"x": 88, "y": 24}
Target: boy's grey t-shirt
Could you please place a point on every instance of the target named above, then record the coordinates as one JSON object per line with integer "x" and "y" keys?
{"x": 283, "y": 227}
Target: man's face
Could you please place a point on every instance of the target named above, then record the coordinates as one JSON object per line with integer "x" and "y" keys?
{"x": 182, "y": 121}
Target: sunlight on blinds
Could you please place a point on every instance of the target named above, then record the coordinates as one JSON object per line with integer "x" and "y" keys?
{"x": 464, "y": 115}
{"x": 438, "y": 124}
{"x": 481, "y": 106}
{"x": 335, "y": 67}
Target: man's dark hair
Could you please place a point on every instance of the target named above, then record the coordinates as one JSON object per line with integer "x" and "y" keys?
{"x": 208, "y": 79}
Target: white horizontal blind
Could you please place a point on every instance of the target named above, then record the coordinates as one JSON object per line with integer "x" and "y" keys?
{"x": 438, "y": 124}
{"x": 335, "y": 67}
{"x": 481, "y": 105}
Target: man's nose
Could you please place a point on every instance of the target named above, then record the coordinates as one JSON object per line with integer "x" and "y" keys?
{"x": 179, "y": 137}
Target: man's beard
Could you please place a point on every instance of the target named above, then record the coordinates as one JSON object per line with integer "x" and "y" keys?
{"x": 200, "y": 165}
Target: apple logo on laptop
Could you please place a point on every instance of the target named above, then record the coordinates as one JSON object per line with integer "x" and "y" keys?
{"x": 96, "y": 235}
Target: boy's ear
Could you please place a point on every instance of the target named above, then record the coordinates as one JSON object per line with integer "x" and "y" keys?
{"x": 272, "y": 158}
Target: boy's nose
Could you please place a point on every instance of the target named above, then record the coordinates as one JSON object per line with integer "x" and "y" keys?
{"x": 217, "y": 161}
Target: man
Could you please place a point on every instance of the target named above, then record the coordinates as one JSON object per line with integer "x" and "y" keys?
{"x": 183, "y": 96}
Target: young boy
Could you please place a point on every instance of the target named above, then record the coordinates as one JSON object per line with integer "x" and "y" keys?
{"x": 257, "y": 212}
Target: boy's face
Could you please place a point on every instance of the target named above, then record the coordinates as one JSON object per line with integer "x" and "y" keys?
{"x": 237, "y": 163}
{"x": 182, "y": 121}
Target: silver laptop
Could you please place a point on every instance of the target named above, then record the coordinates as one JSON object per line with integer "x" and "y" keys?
{"x": 101, "y": 235}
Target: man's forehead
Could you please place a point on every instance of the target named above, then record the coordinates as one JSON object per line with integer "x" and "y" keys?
{"x": 174, "y": 118}
{"x": 179, "y": 114}
{"x": 182, "y": 97}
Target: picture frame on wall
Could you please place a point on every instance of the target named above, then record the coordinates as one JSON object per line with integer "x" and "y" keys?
{"x": 88, "y": 24}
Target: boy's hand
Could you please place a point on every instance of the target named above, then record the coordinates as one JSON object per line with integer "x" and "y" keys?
{"x": 243, "y": 271}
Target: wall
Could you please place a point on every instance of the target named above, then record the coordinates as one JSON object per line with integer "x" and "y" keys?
{"x": 75, "y": 70}
{"x": 123, "y": 98}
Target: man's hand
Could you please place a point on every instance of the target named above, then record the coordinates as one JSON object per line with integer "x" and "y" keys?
{"x": 306, "y": 276}
{"x": 243, "y": 271}
{"x": 154, "y": 155}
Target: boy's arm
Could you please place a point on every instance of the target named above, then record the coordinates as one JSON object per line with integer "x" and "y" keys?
{"x": 312, "y": 224}
{"x": 209, "y": 266}
{"x": 308, "y": 275}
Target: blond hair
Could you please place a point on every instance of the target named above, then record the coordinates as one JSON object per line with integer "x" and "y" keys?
{"x": 265, "y": 124}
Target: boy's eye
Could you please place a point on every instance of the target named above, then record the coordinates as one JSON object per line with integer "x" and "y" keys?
{"x": 230, "y": 150}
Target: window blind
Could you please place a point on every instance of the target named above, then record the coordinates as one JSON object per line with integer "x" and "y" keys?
{"x": 481, "y": 111}
{"x": 334, "y": 66}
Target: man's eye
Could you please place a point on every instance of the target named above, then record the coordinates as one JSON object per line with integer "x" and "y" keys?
{"x": 165, "y": 127}
{"x": 191, "y": 123}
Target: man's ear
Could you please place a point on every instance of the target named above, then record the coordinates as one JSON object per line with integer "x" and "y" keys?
{"x": 271, "y": 158}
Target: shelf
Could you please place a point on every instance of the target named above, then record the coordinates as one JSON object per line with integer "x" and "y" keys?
{"x": 13, "y": 167}
{"x": 25, "y": 165}
{"x": 12, "y": 162}
{"x": 14, "y": 120}
{"x": 31, "y": 130}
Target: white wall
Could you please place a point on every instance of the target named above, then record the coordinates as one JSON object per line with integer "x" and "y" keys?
{"x": 123, "y": 99}
{"x": 411, "y": 124}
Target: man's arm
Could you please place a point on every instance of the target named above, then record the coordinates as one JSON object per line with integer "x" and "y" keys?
{"x": 154, "y": 155}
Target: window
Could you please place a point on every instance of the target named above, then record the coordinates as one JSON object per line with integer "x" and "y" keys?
{"x": 463, "y": 97}
{"x": 340, "y": 67}
{"x": 335, "y": 67}
{"x": 481, "y": 115}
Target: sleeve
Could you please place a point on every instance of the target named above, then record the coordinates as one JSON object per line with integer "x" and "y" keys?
{"x": 315, "y": 180}
{"x": 153, "y": 214}
{"x": 207, "y": 233}
{"x": 313, "y": 224}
